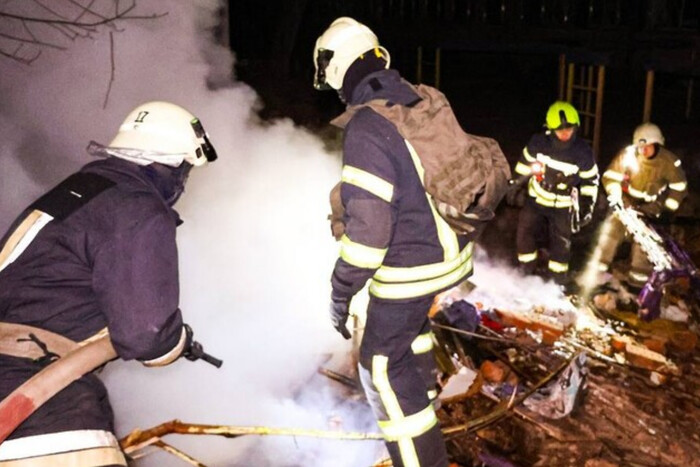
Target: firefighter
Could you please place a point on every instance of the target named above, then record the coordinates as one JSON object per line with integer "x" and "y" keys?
{"x": 561, "y": 178}
{"x": 392, "y": 236}
{"x": 97, "y": 251}
{"x": 649, "y": 178}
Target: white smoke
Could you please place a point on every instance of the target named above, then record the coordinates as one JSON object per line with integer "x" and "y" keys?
{"x": 256, "y": 251}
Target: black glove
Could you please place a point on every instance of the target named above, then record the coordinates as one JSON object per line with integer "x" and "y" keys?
{"x": 515, "y": 188}
{"x": 339, "y": 311}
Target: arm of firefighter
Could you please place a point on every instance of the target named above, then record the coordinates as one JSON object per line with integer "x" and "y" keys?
{"x": 523, "y": 168}
{"x": 612, "y": 179}
{"x": 367, "y": 191}
{"x": 677, "y": 186}
{"x": 588, "y": 173}
{"x": 135, "y": 277}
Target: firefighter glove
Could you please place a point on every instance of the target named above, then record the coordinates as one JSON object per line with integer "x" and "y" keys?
{"x": 515, "y": 188}
{"x": 652, "y": 210}
{"x": 339, "y": 311}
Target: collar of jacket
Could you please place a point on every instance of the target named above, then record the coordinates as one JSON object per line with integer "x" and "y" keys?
{"x": 122, "y": 168}
{"x": 383, "y": 84}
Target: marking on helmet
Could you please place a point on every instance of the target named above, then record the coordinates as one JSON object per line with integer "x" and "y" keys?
{"x": 142, "y": 114}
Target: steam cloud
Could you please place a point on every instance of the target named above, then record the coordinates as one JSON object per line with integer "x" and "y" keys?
{"x": 256, "y": 250}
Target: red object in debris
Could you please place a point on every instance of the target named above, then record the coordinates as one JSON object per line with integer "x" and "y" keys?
{"x": 491, "y": 324}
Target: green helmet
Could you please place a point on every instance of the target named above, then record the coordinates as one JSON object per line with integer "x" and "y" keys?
{"x": 562, "y": 115}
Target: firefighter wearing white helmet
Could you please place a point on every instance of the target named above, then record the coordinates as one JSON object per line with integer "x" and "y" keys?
{"x": 407, "y": 252}
{"x": 98, "y": 252}
{"x": 649, "y": 178}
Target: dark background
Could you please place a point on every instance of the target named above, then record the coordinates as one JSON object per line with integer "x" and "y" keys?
{"x": 499, "y": 66}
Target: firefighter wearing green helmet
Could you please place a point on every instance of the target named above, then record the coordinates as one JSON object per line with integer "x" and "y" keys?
{"x": 559, "y": 172}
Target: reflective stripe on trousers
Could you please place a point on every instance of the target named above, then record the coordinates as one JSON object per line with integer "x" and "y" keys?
{"x": 76, "y": 448}
{"x": 394, "y": 348}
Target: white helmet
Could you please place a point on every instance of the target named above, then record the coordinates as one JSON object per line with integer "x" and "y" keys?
{"x": 164, "y": 133}
{"x": 647, "y": 133}
{"x": 338, "y": 47}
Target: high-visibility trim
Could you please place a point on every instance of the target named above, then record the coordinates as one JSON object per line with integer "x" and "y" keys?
{"x": 170, "y": 356}
{"x": 528, "y": 157}
{"x": 447, "y": 236}
{"x": 85, "y": 458}
{"x": 422, "y": 344}
{"x": 22, "y": 236}
{"x": 432, "y": 394}
{"x": 590, "y": 173}
{"x": 639, "y": 194}
{"x": 409, "y": 427}
{"x": 53, "y": 443}
{"x": 523, "y": 169}
{"x": 589, "y": 190}
{"x": 614, "y": 175}
{"x": 380, "y": 379}
{"x": 671, "y": 204}
{"x": 394, "y": 291}
{"x": 359, "y": 255}
{"x": 556, "y": 266}
{"x": 677, "y": 163}
{"x": 678, "y": 186}
{"x": 565, "y": 167}
{"x": 426, "y": 271}
{"x": 369, "y": 182}
{"x": 527, "y": 257}
{"x": 545, "y": 198}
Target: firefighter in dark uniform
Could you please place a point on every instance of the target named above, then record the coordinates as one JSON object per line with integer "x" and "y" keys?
{"x": 561, "y": 176}
{"x": 96, "y": 253}
{"x": 649, "y": 178}
{"x": 394, "y": 238}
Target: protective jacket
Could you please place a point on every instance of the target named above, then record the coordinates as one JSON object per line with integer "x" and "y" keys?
{"x": 108, "y": 261}
{"x": 641, "y": 181}
{"x": 562, "y": 167}
{"x": 393, "y": 234}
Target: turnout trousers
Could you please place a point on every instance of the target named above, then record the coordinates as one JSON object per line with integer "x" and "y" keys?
{"x": 612, "y": 235}
{"x": 533, "y": 220}
{"x": 397, "y": 370}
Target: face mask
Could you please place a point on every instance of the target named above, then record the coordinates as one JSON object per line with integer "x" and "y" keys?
{"x": 169, "y": 181}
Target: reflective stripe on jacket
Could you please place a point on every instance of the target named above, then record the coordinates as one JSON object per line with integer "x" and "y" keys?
{"x": 393, "y": 233}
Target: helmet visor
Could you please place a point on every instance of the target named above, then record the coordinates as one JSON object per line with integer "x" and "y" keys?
{"x": 323, "y": 58}
{"x": 206, "y": 149}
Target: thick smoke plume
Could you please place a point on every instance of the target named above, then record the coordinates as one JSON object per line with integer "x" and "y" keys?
{"x": 256, "y": 251}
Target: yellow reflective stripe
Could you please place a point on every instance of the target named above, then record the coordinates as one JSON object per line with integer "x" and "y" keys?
{"x": 409, "y": 427}
{"x": 523, "y": 169}
{"x": 22, "y": 236}
{"x": 418, "y": 289}
{"x": 541, "y": 192}
{"x": 589, "y": 190}
{"x": 528, "y": 157}
{"x": 590, "y": 173}
{"x": 367, "y": 181}
{"x": 422, "y": 344}
{"x": 556, "y": 266}
{"x": 527, "y": 257}
{"x": 424, "y": 272}
{"x": 360, "y": 255}
{"x": 447, "y": 236}
{"x": 613, "y": 175}
{"x": 678, "y": 186}
{"x": 564, "y": 167}
{"x": 639, "y": 194}
{"x": 672, "y": 204}
{"x": 380, "y": 378}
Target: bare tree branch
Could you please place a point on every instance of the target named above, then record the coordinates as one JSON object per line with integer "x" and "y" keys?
{"x": 111, "y": 72}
